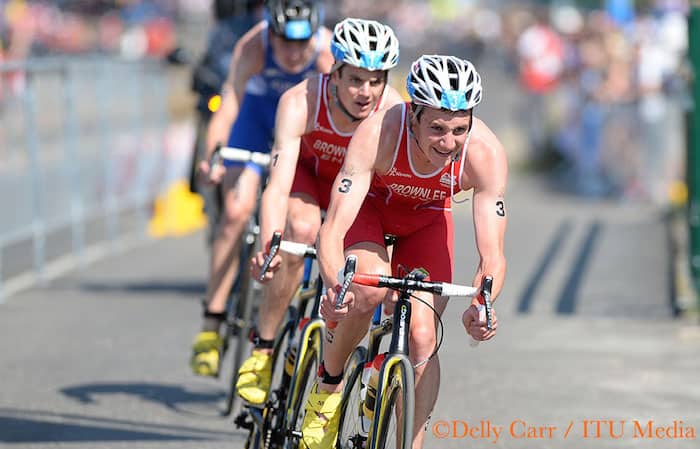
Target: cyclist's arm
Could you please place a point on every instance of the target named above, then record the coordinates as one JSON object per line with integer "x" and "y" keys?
{"x": 367, "y": 152}
{"x": 290, "y": 125}
{"x": 247, "y": 60}
{"x": 487, "y": 170}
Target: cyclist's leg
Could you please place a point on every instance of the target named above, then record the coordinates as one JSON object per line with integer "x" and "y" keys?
{"x": 437, "y": 236}
{"x": 250, "y": 132}
{"x": 303, "y": 221}
{"x": 239, "y": 195}
{"x": 320, "y": 427}
{"x": 365, "y": 240}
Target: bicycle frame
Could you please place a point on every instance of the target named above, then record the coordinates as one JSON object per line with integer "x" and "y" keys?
{"x": 399, "y": 328}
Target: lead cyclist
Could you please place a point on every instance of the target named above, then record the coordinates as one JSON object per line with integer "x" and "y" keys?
{"x": 401, "y": 171}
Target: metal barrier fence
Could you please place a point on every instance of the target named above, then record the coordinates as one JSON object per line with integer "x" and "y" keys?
{"x": 80, "y": 146}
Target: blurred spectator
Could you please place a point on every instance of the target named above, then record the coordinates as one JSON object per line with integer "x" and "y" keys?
{"x": 141, "y": 28}
{"x": 541, "y": 63}
{"x": 602, "y": 85}
{"x": 621, "y": 133}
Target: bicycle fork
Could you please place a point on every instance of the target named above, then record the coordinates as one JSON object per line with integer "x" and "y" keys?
{"x": 395, "y": 362}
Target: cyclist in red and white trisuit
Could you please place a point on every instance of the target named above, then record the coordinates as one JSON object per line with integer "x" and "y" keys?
{"x": 323, "y": 148}
{"x": 403, "y": 201}
{"x": 315, "y": 121}
{"x": 401, "y": 170}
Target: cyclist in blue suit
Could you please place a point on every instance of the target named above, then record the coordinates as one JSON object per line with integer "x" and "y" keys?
{"x": 284, "y": 49}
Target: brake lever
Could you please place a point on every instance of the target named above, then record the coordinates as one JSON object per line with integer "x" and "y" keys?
{"x": 274, "y": 248}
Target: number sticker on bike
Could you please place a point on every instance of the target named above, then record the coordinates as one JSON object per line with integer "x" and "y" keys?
{"x": 345, "y": 185}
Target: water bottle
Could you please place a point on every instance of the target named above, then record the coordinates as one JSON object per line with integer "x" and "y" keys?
{"x": 292, "y": 354}
{"x": 371, "y": 393}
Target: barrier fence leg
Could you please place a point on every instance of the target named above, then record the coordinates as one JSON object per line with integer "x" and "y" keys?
{"x": 72, "y": 165}
{"x": 38, "y": 225}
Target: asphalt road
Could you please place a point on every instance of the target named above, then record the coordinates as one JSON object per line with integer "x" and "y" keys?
{"x": 99, "y": 359}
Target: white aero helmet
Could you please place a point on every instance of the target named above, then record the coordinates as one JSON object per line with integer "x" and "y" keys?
{"x": 366, "y": 44}
{"x": 444, "y": 82}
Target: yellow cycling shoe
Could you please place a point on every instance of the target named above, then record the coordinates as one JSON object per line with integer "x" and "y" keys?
{"x": 320, "y": 427}
{"x": 254, "y": 377}
{"x": 205, "y": 354}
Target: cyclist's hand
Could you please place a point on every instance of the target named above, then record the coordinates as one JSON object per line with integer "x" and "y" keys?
{"x": 475, "y": 323}
{"x": 211, "y": 175}
{"x": 328, "y": 309}
{"x": 257, "y": 263}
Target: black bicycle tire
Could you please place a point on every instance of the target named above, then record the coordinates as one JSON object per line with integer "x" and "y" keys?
{"x": 297, "y": 402}
{"x": 386, "y": 408}
{"x": 353, "y": 373}
{"x": 280, "y": 409}
{"x": 244, "y": 306}
{"x": 253, "y": 436}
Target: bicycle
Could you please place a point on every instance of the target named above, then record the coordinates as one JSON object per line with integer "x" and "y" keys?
{"x": 240, "y": 307}
{"x": 275, "y": 424}
{"x": 396, "y": 384}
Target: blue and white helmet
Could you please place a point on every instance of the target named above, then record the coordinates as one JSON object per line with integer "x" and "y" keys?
{"x": 444, "y": 82}
{"x": 366, "y": 44}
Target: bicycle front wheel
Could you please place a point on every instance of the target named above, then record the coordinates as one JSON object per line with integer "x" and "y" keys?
{"x": 350, "y": 432}
{"x": 239, "y": 322}
{"x": 393, "y": 422}
{"x": 299, "y": 394}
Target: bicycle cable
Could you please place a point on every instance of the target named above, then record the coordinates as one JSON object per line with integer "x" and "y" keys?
{"x": 439, "y": 331}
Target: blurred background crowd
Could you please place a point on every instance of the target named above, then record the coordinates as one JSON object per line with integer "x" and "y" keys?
{"x": 602, "y": 83}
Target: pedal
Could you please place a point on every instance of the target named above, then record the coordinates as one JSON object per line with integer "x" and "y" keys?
{"x": 242, "y": 423}
{"x": 236, "y": 325}
{"x": 291, "y": 433}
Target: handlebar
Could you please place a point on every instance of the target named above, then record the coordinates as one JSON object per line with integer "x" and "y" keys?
{"x": 230, "y": 154}
{"x": 407, "y": 283}
{"x": 438, "y": 288}
{"x": 298, "y": 249}
{"x": 294, "y": 248}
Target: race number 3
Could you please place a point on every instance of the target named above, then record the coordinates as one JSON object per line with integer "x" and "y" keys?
{"x": 345, "y": 184}
{"x": 500, "y": 209}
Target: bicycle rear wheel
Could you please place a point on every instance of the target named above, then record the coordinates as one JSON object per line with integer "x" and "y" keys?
{"x": 393, "y": 426}
{"x": 350, "y": 435}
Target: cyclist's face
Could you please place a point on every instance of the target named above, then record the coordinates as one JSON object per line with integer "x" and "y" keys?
{"x": 441, "y": 134}
{"x": 292, "y": 56}
{"x": 359, "y": 90}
